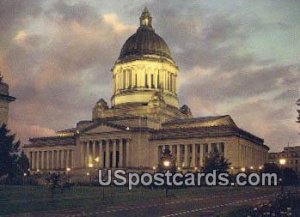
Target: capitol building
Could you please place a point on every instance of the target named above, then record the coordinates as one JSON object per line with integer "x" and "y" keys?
{"x": 143, "y": 118}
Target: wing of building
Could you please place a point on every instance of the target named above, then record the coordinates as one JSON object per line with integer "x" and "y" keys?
{"x": 145, "y": 118}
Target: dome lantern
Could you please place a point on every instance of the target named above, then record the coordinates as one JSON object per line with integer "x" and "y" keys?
{"x": 146, "y": 19}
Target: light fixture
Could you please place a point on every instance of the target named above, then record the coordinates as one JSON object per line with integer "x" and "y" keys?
{"x": 166, "y": 163}
{"x": 260, "y": 167}
{"x": 25, "y": 174}
{"x": 251, "y": 167}
{"x": 87, "y": 173}
{"x": 154, "y": 167}
{"x": 97, "y": 159}
{"x": 90, "y": 165}
{"x": 68, "y": 169}
{"x": 243, "y": 169}
{"x": 282, "y": 161}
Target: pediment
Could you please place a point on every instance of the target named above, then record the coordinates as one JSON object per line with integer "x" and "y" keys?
{"x": 101, "y": 128}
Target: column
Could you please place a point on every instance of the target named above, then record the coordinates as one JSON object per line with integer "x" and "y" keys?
{"x": 127, "y": 153}
{"x": 201, "y": 154}
{"x": 193, "y": 155}
{"x": 33, "y": 161}
{"x": 42, "y": 160}
{"x": 72, "y": 158}
{"x": 114, "y": 154}
{"x": 120, "y": 153}
{"x": 53, "y": 160}
{"x": 37, "y": 160}
{"x": 178, "y": 157}
{"x": 67, "y": 158}
{"x": 87, "y": 154}
{"x": 173, "y": 149}
{"x": 94, "y": 151}
{"x": 47, "y": 160}
{"x": 209, "y": 148}
{"x": 61, "y": 157}
{"x": 186, "y": 152}
{"x": 107, "y": 153}
{"x": 82, "y": 154}
{"x": 101, "y": 158}
{"x": 57, "y": 159}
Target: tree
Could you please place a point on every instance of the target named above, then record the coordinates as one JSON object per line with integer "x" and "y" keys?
{"x": 271, "y": 168}
{"x": 13, "y": 163}
{"x": 215, "y": 161}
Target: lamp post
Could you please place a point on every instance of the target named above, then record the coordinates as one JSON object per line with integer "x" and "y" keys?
{"x": 68, "y": 169}
{"x": 166, "y": 164}
{"x": 282, "y": 162}
{"x": 90, "y": 172}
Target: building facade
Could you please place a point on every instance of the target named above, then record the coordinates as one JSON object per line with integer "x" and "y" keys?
{"x": 5, "y": 99}
{"x": 291, "y": 156}
{"x": 144, "y": 119}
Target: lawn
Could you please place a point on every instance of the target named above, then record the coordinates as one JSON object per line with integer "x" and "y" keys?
{"x": 22, "y": 199}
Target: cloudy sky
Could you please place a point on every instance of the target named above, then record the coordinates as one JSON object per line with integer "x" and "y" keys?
{"x": 235, "y": 57}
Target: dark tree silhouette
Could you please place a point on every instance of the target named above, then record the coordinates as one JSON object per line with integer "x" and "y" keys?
{"x": 215, "y": 161}
{"x": 271, "y": 168}
{"x": 13, "y": 163}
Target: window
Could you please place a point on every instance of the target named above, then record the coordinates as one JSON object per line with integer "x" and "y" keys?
{"x": 130, "y": 78}
{"x": 152, "y": 81}
{"x": 146, "y": 80}
{"x": 124, "y": 79}
{"x": 206, "y": 147}
{"x": 222, "y": 147}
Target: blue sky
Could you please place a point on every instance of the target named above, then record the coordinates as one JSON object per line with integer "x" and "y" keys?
{"x": 235, "y": 57}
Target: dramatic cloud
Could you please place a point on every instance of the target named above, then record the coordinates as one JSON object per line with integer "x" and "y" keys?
{"x": 239, "y": 58}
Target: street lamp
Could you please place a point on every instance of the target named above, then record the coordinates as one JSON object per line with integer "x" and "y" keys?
{"x": 243, "y": 169}
{"x": 89, "y": 173}
{"x": 68, "y": 169}
{"x": 166, "y": 163}
{"x": 282, "y": 162}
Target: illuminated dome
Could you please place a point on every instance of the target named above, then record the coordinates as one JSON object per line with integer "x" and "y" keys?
{"x": 144, "y": 67}
{"x": 145, "y": 41}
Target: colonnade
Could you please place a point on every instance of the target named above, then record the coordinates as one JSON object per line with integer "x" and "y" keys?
{"x": 153, "y": 79}
{"x": 189, "y": 155}
{"x": 251, "y": 156}
{"x": 51, "y": 159}
{"x": 111, "y": 153}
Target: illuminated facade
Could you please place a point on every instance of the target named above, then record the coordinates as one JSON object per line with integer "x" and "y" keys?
{"x": 144, "y": 119}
